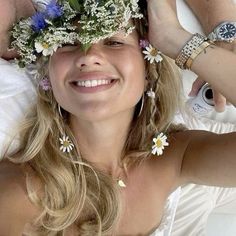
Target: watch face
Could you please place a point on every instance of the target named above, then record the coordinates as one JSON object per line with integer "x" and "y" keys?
{"x": 227, "y": 31}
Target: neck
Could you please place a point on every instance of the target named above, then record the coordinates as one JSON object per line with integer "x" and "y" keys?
{"x": 102, "y": 142}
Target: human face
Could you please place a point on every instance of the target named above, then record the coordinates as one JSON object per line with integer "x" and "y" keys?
{"x": 117, "y": 61}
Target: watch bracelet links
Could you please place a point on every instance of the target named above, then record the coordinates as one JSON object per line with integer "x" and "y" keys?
{"x": 191, "y": 45}
{"x": 195, "y": 53}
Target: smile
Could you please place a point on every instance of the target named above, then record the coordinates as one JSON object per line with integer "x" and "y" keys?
{"x": 93, "y": 83}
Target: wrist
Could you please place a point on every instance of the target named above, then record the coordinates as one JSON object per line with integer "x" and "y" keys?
{"x": 175, "y": 42}
{"x": 228, "y": 46}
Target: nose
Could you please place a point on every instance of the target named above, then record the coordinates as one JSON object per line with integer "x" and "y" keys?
{"x": 92, "y": 57}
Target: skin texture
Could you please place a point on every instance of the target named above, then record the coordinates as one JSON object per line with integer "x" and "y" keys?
{"x": 219, "y": 11}
{"x": 12, "y": 11}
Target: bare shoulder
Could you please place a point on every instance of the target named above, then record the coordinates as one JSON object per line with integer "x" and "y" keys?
{"x": 168, "y": 166}
{"x": 15, "y": 206}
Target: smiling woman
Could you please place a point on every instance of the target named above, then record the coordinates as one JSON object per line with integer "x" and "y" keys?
{"x": 88, "y": 158}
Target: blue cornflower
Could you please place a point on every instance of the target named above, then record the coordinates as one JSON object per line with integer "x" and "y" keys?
{"x": 53, "y": 10}
{"x": 38, "y": 21}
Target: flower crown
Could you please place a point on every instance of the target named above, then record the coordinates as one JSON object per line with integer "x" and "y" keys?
{"x": 68, "y": 21}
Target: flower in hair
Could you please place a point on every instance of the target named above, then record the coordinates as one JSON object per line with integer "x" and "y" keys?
{"x": 66, "y": 144}
{"x": 45, "y": 48}
{"x": 71, "y": 21}
{"x": 45, "y": 84}
{"x": 38, "y": 22}
{"x": 159, "y": 144}
{"x": 143, "y": 43}
{"x": 53, "y": 10}
{"x": 152, "y": 54}
{"x": 151, "y": 94}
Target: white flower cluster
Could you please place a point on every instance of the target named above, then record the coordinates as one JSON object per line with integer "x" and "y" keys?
{"x": 31, "y": 44}
{"x": 105, "y": 18}
{"x": 92, "y": 21}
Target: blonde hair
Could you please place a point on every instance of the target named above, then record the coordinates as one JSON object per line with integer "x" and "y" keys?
{"x": 73, "y": 190}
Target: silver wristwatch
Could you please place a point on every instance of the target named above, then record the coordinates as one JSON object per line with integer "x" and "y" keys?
{"x": 225, "y": 31}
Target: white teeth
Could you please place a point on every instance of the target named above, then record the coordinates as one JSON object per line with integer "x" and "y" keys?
{"x": 92, "y": 83}
{"x": 88, "y": 83}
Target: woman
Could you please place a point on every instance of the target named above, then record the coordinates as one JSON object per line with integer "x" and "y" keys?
{"x": 89, "y": 151}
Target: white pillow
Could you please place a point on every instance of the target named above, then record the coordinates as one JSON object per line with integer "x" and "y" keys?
{"x": 17, "y": 93}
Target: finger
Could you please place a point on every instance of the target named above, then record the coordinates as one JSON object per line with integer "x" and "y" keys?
{"x": 219, "y": 101}
{"x": 196, "y": 86}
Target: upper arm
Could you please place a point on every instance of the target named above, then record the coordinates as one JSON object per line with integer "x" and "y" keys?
{"x": 219, "y": 11}
{"x": 209, "y": 159}
{"x": 16, "y": 210}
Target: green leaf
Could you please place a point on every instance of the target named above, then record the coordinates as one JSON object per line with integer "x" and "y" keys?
{"x": 85, "y": 47}
{"x": 75, "y": 5}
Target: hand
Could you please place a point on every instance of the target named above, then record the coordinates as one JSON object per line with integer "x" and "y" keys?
{"x": 165, "y": 31}
{"x": 10, "y": 12}
{"x": 218, "y": 98}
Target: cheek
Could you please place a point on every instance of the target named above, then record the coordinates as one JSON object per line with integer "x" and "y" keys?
{"x": 57, "y": 75}
{"x": 135, "y": 71}
{"x": 58, "y": 67}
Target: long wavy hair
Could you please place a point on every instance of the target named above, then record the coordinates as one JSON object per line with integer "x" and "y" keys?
{"x": 73, "y": 191}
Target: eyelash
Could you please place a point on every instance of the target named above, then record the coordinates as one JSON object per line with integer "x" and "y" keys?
{"x": 70, "y": 45}
{"x": 115, "y": 43}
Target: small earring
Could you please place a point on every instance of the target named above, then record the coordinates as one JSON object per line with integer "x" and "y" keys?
{"x": 59, "y": 110}
{"x": 142, "y": 103}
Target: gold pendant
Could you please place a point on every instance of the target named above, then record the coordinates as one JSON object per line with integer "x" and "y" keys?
{"x": 121, "y": 183}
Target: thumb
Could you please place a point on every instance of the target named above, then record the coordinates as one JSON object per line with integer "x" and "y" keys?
{"x": 196, "y": 86}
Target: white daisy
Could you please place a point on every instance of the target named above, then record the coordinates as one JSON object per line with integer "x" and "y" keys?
{"x": 66, "y": 144}
{"x": 151, "y": 94}
{"x": 45, "y": 48}
{"x": 152, "y": 54}
{"x": 159, "y": 144}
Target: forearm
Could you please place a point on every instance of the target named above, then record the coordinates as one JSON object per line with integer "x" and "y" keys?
{"x": 212, "y": 12}
{"x": 10, "y": 12}
{"x": 217, "y": 67}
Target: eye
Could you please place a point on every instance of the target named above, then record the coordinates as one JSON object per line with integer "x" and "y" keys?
{"x": 114, "y": 42}
{"x": 69, "y": 47}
